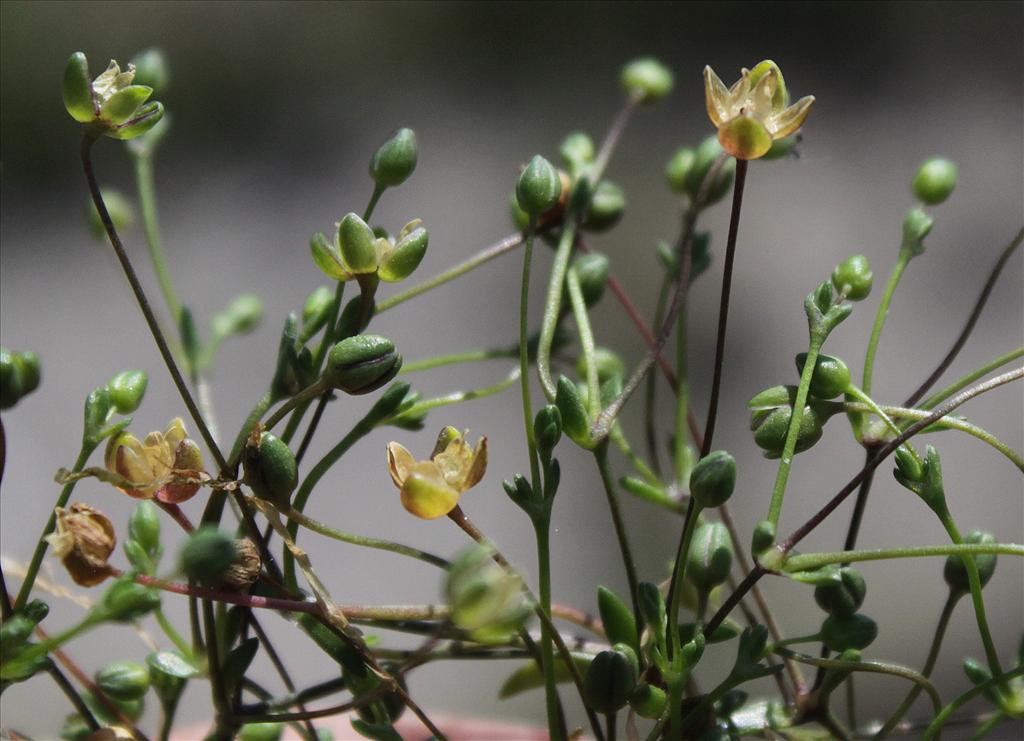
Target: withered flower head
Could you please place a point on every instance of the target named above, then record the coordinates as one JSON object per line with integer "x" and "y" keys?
{"x": 245, "y": 569}
{"x": 83, "y": 540}
{"x": 166, "y": 465}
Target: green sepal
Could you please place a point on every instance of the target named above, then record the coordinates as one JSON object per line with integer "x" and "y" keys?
{"x": 955, "y": 572}
{"x": 575, "y": 421}
{"x": 399, "y": 262}
{"x": 236, "y": 664}
{"x": 168, "y": 673}
{"x": 124, "y": 680}
{"x": 830, "y": 377}
{"x": 207, "y": 555}
{"x": 529, "y": 676}
{"x": 361, "y": 364}
{"x": 97, "y": 409}
{"x": 357, "y": 244}
{"x": 749, "y": 654}
{"x": 284, "y": 383}
{"x": 647, "y": 79}
{"x": 144, "y": 119}
{"x": 375, "y": 731}
{"x": 125, "y": 601}
{"x": 270, "y": 470}
{"x": 327, "y": 258}
{"x": 316, "y": 311}
{"x": 844, "y": 597}
{"x": 726, "y": 631}
{"x": 617, "y": 618}
{"x": 709, "y": 560}
{"x": 577, "y": 151}
{"x": 916, "y": 226}
{"x": 538, "y": 188}
{"x": 713, "y": 479}
{"x": 609, "y": 681}
{"x": 607, "y": 203}
{"x": 190, "y": 343}
{"x": 840, "y": 633}
{"x": 825, "y": 576}
{"x": 77, "y": 89}
{"x": 241, "y": 316}
{"x": 395, "y": 159}
{"x": 592, "y": 272}
{"x": 653, "y": 611}
{"x": 706, "y": 153}
{"x": 138, "y": 557}
{"x": 120, "y": 106}
{"x": 678, "y": 168}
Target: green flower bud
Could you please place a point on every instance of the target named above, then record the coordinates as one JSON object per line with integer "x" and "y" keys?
{"x": 520, "y": 219}
{"x": 652, "y": 609}
{"x": 97, "y": 407}
{"x": 270, "y": 468}
{"x": 126, "y": 390}
{"x": 830, "y": 378}
{"x": 261, "y": 732}
{"x": 710, "y": 557}
{"x": 706, "y": 154}
{"x": 241, "y": 316}
{"x": 357, "y": 244}
{"x": 646, "y": 80}
{"x": 934, "y": 181}
{"x": 395, "y": 159}
{"x": 361, "y": 364}
{"x": 316, "y": 310}
{"x": 678, "y": 169}
{"x": 609, "y": 365}
{"x": 575, "y": 421}
{"x": 539, "y": 187}
{"x": 617, "y": 618}
{"x": 978, "y": 673}
{"x": 121, "y": 105}
{"x": 592, "y": 273}
{"x": 486, "y": 600}
{"x": 916, "y": 226}
{"x": 77, "y": 88}
{"x": 609, "y": 681}
{"x": 36, "y": 611}
{"x": 29, "y": 370}
{"x": 125, "y": 601}
{"x": 151, "y": 69}
{"x": 577, "y": 151}
{"x": 713, "y": 479}
{"x": 123, "y": 680}
{"x": 853, "y": 275}
{"x": 547, "y": 429}
{"x": 955, "y": 572}
{"x": 207, "y": 555}
{"x": 770, "y": 430}
{"x": 398, "y": 262}
{"x": 605, "y": 209}
{"x": 647, "y": 700}
{"x": 122, "y": 215}
{"x": 846, "y": 597}
{"x": 763, "y": 537}
{"x": 840, "y": 632}
{"x": 144, "y": 527}
{"x": 10, "y": 379}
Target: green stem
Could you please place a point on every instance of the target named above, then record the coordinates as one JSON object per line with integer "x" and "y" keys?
{"x": 618, "y": 437}
{"x": 867, "y": 401}
{"x": 902, "y": 261}
{"x": 150, "y": 225}
{"x": 950, "y": 424}
{"x": 485, "y": 255}
{"x": 531, "y": 440}
{"x": 929, "y": 665}
{"x": 652, "y": 494}
{"x": 542, "y": 532}
{"x": 940, "y": 396}
{"x": 41, "y": 545}
{"x": 172, "y": 634}
{"x": 457, "y": 397}
{"x": 378, "y": 191}
{"x": 307, "y": 394}
{"x": 553, "y": 303}
{"x": 601, "y": 456}
{"x": 974, "y": 579}
{"x": 679, "y": 574}
{"x": 789, "y": 448}
{"x": 579, "y": 311}
{"x": 361, "y": 540}
{"x": 811, "y": 561}
{"x": 940, "y": 719}
{"x": 470, "y": 356}
{"x": 650, "y": 421}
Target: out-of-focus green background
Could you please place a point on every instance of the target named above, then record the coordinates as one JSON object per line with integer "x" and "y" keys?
{"x": 276, "y": 108}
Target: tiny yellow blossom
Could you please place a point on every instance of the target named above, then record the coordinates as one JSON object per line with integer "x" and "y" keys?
{"x": 165, "y": 466}
{"x": 431, "y": 488}
{"x": 755, "y": 111}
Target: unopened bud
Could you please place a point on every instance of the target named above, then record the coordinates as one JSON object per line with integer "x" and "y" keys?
{"x": 647, "y": 79}
{"x": 395, "y": 159}
{"x": 361, "y": 364}
{"x": 713, "y": 479}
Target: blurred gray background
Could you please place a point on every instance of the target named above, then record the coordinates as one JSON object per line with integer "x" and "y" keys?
{"x": 276, "y": 109}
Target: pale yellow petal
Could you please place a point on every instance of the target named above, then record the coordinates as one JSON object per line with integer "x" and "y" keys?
{"x": 760, "y": 100}
{"x": 791, "y": 119}
{"x": 428, "y": 496}
{"x": 400, "y": 463}
{"x": 477, "y": 467}
{"x": 716, "y": 96}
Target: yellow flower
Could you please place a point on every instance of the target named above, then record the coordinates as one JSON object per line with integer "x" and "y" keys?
{"x": 431, "y": 488}
{"x": 165, "y": 466}
{"x": 755, "y": 111}
{"x": 83, "y": 540}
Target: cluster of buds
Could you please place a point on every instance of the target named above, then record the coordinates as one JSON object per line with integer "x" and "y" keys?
{"x": 167, "y": 465}
{"x": 432, "y": 488}
{"x": 110, "y": 105}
